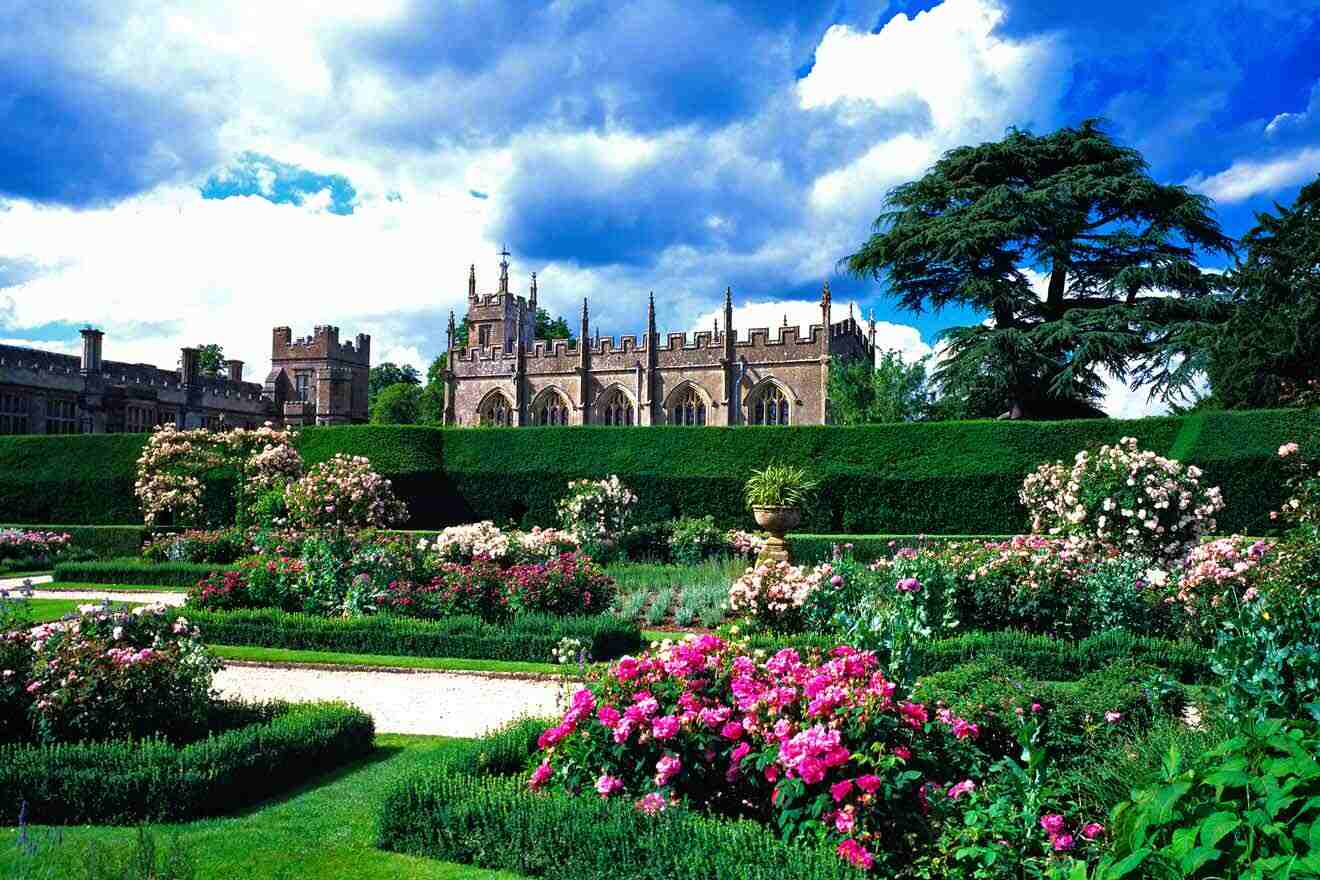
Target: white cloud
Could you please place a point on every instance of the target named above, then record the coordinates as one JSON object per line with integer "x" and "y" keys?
{"x": 1248, "y": 177}
{"x": 949, "y": 60}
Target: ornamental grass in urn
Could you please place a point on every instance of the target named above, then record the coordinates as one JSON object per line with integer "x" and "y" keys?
{"x": 776, "y": 494}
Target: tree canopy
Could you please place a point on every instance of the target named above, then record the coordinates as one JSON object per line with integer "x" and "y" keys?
{"x": 1268, "y": 354}
{"x": 1082, "y": 262}
{"x": 385, "y": 374}
{"x": 211, "y": 359}
{"x": 889, "y": 391}
{"x": 397, "y": 404}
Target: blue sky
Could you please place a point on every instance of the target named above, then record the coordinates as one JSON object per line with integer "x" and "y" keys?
{"x": 179, "y": 173}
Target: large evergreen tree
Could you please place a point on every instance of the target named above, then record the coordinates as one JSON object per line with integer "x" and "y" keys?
{"x": 1118, "y": 252}
{"x": 1269, "y": 353}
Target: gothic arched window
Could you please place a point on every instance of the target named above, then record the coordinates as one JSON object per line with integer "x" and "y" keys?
{"x": 770, "y": 406}
{"x": 550, "y": 409}
{"x": 496, "y": 411}
{"x": 689, "y": 408}
{"x": 617, "y": 409}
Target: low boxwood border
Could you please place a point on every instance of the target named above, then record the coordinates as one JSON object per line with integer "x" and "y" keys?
{"x": 496, "y": 823}
{"x": 149, "y": 781}
{"x": 1042, "y": 657}
{"x": 135, "y": 571}
{"x": 808, "y": 548}
{"x": 533, "y": 637}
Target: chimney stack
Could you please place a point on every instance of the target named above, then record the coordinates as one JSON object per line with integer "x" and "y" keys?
{"x": 235, "y": 369}
{"x": 91, "y": 352}
{"x": 189, "y": 366}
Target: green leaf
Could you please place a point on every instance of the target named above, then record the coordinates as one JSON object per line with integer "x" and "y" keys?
{"x": 1127, "y": 864}
{"x": 1216, "y": 826}
{"x": 1194, "y": 859}
{"x": 1164, "y": 800}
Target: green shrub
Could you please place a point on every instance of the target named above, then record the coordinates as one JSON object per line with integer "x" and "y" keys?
{"x": 153, "y": 780}
{"x": 693, "y": 539}
{"x": 1245, "y": 808}
{"x": 936, "y": 477}
{"x": 496, "y": 823}
{"x": 134, "y": 571}
{"x": 531, "y": 638}
{"x": 811, "y": 549}
{"x": 1102, "y": 707}
{"x": 1042, "y": 657}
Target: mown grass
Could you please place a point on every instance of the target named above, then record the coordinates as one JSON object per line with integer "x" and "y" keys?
{"x": 322, "y": 831}
{"x": 450, "y": 664}
{"x": 46, "y": 610}
{"x": 107, "y": 588}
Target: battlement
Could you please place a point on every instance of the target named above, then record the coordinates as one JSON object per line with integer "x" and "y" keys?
{"x": 323, "y": 344}
{"x": 34, "y": 359}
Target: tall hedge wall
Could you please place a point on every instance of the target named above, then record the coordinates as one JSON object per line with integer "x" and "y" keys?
{"x": 937, "y": 478}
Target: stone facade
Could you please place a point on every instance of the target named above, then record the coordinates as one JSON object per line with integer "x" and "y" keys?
{"x": 46, "y": 393}
{"x": 507, "y": 377}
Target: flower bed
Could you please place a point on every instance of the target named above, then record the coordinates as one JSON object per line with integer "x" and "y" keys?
{"x": 531, "y": 637}
{"x": 152, "y": 780}
{"x": 32, "y": 550}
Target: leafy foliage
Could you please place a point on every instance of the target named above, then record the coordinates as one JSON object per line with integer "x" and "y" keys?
{"x": 1268, "y": 354}
{"x": 397, "y": 404}
{"x": 383, "y": 375}
{"x": 890, "y": 391}
{"x": 1084, "y": 211}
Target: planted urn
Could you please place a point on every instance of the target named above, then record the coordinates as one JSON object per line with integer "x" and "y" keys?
{"x": 776, "y": 495}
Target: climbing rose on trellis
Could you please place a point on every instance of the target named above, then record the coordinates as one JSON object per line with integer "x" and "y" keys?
{"x": 344, "y": 493}
{"x": 174, "y": 461}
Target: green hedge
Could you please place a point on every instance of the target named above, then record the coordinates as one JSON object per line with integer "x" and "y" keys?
{"x": 135, "y": 571}
{"x": 1043, "y": 658}
{"x": 497, "y": 823}
{"x": 937, "y": 478}
{"x": 153, "y": 780}
{"x": 531, "y": 638}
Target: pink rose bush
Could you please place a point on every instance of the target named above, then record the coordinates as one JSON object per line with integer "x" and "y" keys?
{"x": 742, "y": 543}
{"x": 344, "y": 493}
{"x": 821, "y": 749}
{"x": 775, "y": 594}
{"x": 113, "y": 674}
{"x": 1122, "y": 497}
{"x": 26, "y": 546}
{"x": 1303, "y": 481}
{"x": 1215, "y": 576}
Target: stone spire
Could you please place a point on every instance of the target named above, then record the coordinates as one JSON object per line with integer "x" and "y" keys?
{"x": 504, "y": 270}
{"x": 452, "y": 334}
{"x": 729, "y": 333}
{"x": 472, "y": 281}
{"x": 532, "y": 299}
{"x": 871, "y": 334}
{"x": 825, "y": 314}
{"x": 650, "y": 315}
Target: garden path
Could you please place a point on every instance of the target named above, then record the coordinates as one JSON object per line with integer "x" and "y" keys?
{"x": 438, "y": 703}
{"x": 115, "y": 596}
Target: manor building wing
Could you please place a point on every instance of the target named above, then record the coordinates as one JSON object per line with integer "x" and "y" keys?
{"x": 505, "y": 376}
{"x": 315, "y": 380}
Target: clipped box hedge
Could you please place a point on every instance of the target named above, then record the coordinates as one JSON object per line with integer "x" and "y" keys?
{"x": 135, "y": 571}
{"x": 154, "y": 781}
{"x": 530, "y": 638}
{"x": 1042, "y": 657}
{"x": 934, "y": 478}
{"x": 497, "y": 823}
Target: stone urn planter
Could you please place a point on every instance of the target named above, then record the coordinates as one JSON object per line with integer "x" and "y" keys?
{"x": 778, "y": 521}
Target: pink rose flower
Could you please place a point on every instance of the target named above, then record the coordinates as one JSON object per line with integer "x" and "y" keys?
{"x": 961, "y": 789}
{"x": 1052, "y": 823}
{"x": 540, "y": 776}
{"x": 1092, "y": 830}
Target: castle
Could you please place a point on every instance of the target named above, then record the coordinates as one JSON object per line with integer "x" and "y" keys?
{"x": 316, "y": 380}
{"x": 506, "y": 377}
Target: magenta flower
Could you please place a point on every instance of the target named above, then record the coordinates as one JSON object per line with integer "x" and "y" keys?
{"x": 1052, "y": 823}
{"x": 855, "y": 854}
{"x": 841, "y": 790}
{"x": 732, "y": 730}
{"x": 1113, "y": 717}
{"x": 664, "y": 727}
{"x": 1092, "y": 830}
{"x": 1062, "y": 843}
{"x": 607, "y": 785}
{"x": 540, "y": 776}
{"x": 651, "y": 804}
{"x": 961, "y": 789}
{"x": 909, "y": 585}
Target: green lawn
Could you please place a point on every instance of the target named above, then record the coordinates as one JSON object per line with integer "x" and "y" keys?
{"x": 44, "y": 610}
{"x": 110, "y": 588}
{"x": 285, "y": 655}
{"x": 323, "y": 831}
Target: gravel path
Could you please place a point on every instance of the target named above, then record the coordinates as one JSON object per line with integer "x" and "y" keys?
{"x": 439, "y": 703}
{"x": 15, "y": 581}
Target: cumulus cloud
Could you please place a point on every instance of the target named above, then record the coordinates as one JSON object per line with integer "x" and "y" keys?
{"x": 1249, "y": 177}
